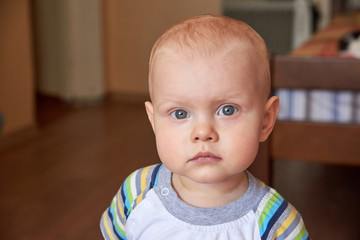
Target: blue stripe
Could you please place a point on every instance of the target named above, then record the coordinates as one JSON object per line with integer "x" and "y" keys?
{"x": 154, "y": 176}
{"x": 127, "y": 204}
{"x": 117, "y": 233}
{"x": 291, "y": 228}
{"x": 306, "y": 236}
{"x": 104, "y": 232}
{"x": 123, "y": 197}
{"x": 138, "y": 183}
{"x": 274, "y": 218}
{"x": 157, "y": 175}
{"x": 124, "y": 193}
{"x": 271, "y": 213}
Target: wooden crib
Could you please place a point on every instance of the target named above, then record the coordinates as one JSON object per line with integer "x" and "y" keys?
{"x": 331, "y": 143}
{"x": 316, "y": 64}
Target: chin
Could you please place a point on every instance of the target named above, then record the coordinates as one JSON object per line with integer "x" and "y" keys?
{"x": 208, "y": 178}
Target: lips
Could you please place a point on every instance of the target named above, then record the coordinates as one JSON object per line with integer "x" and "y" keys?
{"x": 205, "y": 157}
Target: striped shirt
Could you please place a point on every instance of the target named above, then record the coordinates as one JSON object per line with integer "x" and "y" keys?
{"x": 147, "y": 207}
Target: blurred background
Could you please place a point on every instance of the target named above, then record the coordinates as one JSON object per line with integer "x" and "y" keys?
{"x": 73, "y": 79}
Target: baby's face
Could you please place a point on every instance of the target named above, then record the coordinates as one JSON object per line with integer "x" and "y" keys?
{"x": 207, "y": 114}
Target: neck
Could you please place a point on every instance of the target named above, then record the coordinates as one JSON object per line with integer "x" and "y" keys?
{"x": 209, "y": 195}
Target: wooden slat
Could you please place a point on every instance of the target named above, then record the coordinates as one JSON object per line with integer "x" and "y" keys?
{"x": 327, "y": 143}
{"x": 316, "y": 73}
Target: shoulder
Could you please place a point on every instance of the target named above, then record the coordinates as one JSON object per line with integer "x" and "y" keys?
{"x": 136, "y": 185}
{"x": 130, "y": 194}
{"x": 277, "y": 218}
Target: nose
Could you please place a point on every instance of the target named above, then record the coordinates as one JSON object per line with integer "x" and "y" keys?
{"x": 204, "y": 132}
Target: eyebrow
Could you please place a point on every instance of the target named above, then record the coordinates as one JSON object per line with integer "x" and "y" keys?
{"x": 232, "y": 98}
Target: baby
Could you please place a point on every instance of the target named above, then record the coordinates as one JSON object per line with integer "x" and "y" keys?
{"x": 209, "y": 84}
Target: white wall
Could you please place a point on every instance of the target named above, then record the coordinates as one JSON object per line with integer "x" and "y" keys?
{"x": 69, "y": 49}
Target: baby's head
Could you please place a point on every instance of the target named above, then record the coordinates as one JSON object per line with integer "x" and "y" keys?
{"x": 209, "y": 85}
{"x": 206, "y": 35}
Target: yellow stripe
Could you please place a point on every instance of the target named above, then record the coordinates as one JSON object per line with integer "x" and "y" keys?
{"x": 138, "y": 200}
{"x": 286, "y": 223}
{"x": 143, "y": 178}
{"x": 121, "y": 210}
{"x": 108, "y": 231}
{"x": 142, "y": 184}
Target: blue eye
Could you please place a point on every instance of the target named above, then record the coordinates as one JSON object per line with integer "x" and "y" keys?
{"x": 227, "y": 110}
{"x": 180, "y": 114}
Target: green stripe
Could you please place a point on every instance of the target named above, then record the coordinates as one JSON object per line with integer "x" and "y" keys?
{"x": 270, "y": 203}
{"x": 113, "y": 206}
{"x": 122, "y": 231}
{"x": 129, "y": 195}
{"x": 300, "y": 234}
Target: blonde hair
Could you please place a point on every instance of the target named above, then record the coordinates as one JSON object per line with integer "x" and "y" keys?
{"x": 207, "y": 34}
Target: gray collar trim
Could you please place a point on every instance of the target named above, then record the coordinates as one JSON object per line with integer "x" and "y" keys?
{"x": 206, "y": 216}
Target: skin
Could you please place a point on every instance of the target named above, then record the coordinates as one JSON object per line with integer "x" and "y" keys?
{"x": 207, "y": 148}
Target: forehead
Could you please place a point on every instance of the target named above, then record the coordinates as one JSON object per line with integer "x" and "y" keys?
{"x": 227, "y": 60}
{"x": 177, "y": 73}
{"x": 234, "y": 54}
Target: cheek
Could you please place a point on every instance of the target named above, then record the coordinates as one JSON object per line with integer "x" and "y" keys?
{"x": 242, "y": 143}
{"x": 168, "y": 145}
{"x": 164, "y": 147}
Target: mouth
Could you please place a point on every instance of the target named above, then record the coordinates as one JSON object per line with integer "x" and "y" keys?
{"x": 205, "y": 157}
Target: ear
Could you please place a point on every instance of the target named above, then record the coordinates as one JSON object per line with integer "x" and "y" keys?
{"x": 150, "y": 113}
{"x": 270, "y": 115}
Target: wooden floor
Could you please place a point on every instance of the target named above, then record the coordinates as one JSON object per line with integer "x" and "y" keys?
{"x": 56, "y": 182}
